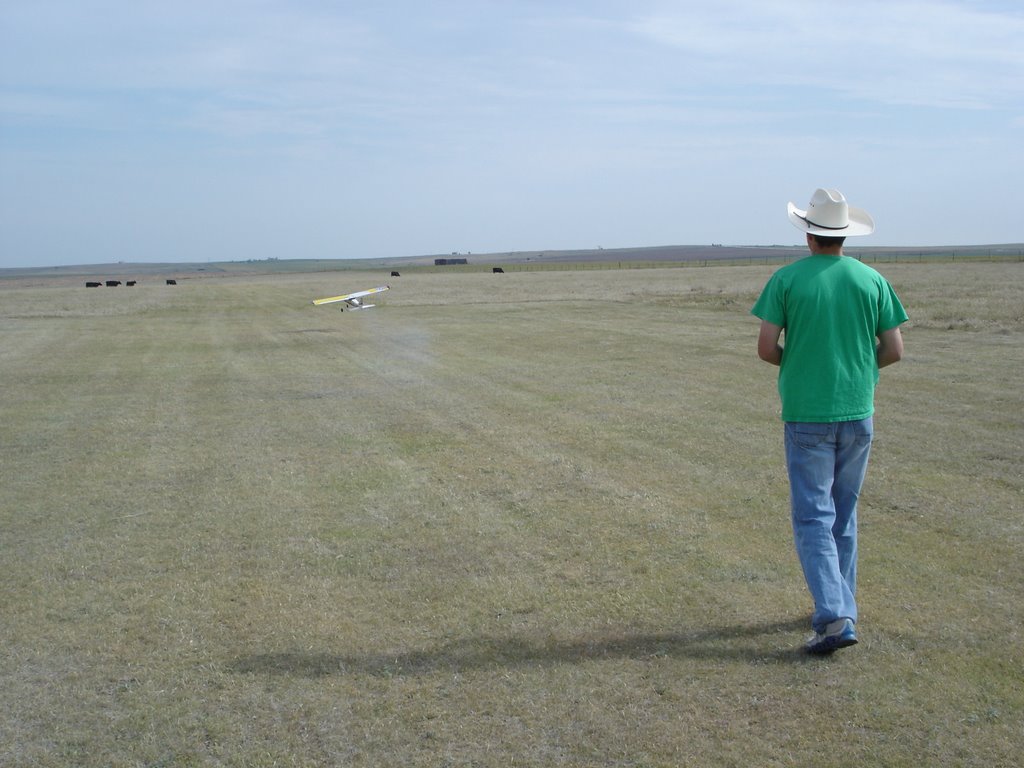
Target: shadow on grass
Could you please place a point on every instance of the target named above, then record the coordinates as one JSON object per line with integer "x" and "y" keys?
{"x": 746, "y": 643}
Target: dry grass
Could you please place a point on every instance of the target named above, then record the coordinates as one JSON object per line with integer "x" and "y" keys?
{"x": 531, "y": 519}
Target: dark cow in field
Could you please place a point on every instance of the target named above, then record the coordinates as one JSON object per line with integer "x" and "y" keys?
{"x": 497, "y": 271}
{"x": 395, "y": 274}
{"x": 172, "y": 282}
{"x": 113, "y": 283}
{"x": 130, "y": 283}
{"x": 93, "y": 285}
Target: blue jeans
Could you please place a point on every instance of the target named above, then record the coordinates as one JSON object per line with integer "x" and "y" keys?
{"x": 827, "y": 464}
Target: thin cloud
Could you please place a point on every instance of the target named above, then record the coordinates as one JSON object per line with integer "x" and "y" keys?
{"x": 933, "y": 53}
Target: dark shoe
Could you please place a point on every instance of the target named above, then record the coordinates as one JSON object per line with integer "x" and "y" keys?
{"x": 838, "y": 634}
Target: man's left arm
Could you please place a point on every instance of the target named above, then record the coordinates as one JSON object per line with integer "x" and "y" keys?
{"x": 890, "y": 347}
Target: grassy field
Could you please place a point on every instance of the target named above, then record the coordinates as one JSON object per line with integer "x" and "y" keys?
{"x": 533, "y": 519}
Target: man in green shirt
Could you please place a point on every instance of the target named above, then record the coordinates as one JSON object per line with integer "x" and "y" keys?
{"x": 841, "y": 323}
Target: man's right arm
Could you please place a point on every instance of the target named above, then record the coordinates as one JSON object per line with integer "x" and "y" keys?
{"x": 768, "y": 348}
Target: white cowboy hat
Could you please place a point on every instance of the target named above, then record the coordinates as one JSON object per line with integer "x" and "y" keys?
{"x": 830, "y": 215}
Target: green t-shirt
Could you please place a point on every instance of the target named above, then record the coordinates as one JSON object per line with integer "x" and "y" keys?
{"x": 832, "y": 309}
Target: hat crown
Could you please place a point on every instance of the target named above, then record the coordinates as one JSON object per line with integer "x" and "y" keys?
{"x": 828, "y": 209}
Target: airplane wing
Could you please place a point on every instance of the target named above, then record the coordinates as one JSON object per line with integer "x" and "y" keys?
{"x": 353, "y": 300}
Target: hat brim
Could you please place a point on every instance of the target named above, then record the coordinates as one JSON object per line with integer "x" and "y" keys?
{"x": 860, "y": 223}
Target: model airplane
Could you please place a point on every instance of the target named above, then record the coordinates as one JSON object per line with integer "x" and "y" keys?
{"x": 353, "y": 300}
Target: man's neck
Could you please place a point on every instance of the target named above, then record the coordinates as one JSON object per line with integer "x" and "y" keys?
{"x": 826, "y": 251}
{"x": 819, "y": 249}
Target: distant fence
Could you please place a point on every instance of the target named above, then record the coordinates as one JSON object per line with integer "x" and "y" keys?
{"x": 925, "y": 256}
{"x": 881, "y": 257}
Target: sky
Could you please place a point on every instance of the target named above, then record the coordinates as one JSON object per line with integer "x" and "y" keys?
{"x": 228, "y": 130}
